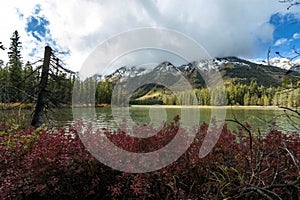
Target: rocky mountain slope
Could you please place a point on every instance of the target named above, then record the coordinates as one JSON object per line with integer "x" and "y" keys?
{"x": 233, "y": 70}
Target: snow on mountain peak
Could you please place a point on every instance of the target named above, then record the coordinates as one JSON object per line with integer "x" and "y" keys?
{"x": 166, "y": 66}
{"x": 283, "y": 63}
{"x": 203, "y": 65}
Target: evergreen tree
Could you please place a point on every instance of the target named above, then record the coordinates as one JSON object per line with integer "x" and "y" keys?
{"x": 253, "y": 88}
{"x": 1, "y": 63}
{"x": 15, "y": 68}
{"x": 247, "y": 99}
{"x": 265, "y": 100}
{"x": 231, "y": 95}
{"x": 104, "y": 92}
{"x": 206, "y": 96}
{"x": 276, "y": 99}
{"x": 254, "y": 99}
{"x": 297, "y": 97}
{"x": 240, "y": 93}
{"x": 4, "y": 79}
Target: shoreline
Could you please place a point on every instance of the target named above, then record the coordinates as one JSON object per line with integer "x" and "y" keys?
{"x": 29, "y": 106}
{"x": 206, "y": 106}
{"x": 186, "y": 106}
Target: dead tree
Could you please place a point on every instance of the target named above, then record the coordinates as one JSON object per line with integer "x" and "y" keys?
{"x": 42, "y": 96}
{"x": 46, "y": 97}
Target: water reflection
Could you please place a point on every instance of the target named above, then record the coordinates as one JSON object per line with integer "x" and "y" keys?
{"x": 258, "y": 117}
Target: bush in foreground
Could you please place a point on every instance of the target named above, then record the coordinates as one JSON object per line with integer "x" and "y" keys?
{"x": 54, "y": 164}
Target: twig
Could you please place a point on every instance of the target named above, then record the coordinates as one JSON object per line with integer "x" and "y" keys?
{"x": 263, "y": 192}
{"x": 292, "y": 110}
{"x": 296, "y": 162}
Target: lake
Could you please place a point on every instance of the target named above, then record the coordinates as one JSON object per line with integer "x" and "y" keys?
{"x": 259, "y": 117}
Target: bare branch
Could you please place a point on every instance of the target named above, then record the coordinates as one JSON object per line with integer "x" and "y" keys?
{"x": 34, "y": 71}
{"x": 290, "y": 109}
{"x": 263, "y": 192}
{"x": 1, "y": 46}
{"x": 295, "y": 161}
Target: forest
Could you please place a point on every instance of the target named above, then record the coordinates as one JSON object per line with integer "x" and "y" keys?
{"x": 20, "y": 81}
{"x": 236, "y": 94}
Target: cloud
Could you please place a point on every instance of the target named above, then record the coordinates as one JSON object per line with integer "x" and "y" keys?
{"x": 296, "y": 36}
{"x": 281, "y": 41}
{"x": 33, "y": 26}
{"x": 13, "y": 16}
{"x": 223, "y": 28}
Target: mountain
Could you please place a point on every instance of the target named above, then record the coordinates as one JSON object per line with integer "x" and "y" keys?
{"x": 295, "y": 68}
{"x": 242, "y": 71}
{"x": 285, "y": 63}
{"x": 232, "y": 69}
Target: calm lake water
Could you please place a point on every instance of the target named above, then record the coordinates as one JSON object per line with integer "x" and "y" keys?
{"x": 259, "y": 117}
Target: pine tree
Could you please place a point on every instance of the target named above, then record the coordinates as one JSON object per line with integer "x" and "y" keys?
{"x": 276, "y": 99}
{"x": 247, "y": 99}
{"x": 265, "y": 100}
{"x": 254, "y": 100}
{"x": 4, "y": 79}
{"x": 104, "y": 92}
{"x": 15, "y": 68}
{"x": 1, "y": 63}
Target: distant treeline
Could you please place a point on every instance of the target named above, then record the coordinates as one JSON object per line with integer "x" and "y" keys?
{"x": 24, "y": 89}
{"x": 235, "y": 94}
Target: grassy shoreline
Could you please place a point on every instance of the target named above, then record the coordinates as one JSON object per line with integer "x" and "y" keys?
{"x": 28, "y": 106}
{"x": 206, "y": 106}
{"x": 17, "y": 105}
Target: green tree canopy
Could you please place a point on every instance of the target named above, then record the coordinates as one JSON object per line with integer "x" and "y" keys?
{"x": 15, "y": 67}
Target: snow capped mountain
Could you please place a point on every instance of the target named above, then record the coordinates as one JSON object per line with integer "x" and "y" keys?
{"x": 202, "y": 65}
{"x": 231, "y": 68}
{"x": 124, "y": 72}
{"x": 214, "y": 64}
{"x": 165, "y": 67}
{"x": 130, "y": 72}
{"x": 285, "y": 63}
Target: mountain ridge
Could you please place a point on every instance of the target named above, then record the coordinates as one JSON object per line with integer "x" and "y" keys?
{"x": 232, "y": 69}
{"x": 150, "y": 85}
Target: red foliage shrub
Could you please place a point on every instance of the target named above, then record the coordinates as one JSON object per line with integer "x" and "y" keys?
{"x": 54, "y": 164}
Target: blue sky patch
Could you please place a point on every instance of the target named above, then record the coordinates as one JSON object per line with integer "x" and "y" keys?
{"x": 285, "y": 35}
{"x": 37, "y": 26}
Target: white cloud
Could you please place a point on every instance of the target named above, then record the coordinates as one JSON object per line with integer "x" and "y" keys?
{"x": 11, "y": 20}
{"x": 224, "y": 28}
{"x": 281, "y": 41}
{"x": 296, "y": 36}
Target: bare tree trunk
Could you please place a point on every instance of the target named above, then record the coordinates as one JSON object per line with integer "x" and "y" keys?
{"x": 42, "y": 96}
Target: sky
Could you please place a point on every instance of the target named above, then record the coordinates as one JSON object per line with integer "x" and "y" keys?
{"x": 75, "y": 28}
